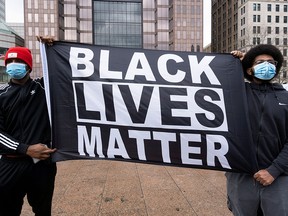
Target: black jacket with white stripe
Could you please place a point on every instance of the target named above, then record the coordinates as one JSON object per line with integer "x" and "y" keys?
{"x": 24, "y": 117}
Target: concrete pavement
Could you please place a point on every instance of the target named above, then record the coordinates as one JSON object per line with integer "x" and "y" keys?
{"x": 113, "y": 188}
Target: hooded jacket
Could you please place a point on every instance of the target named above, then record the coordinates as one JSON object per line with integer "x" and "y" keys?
{"x": 24, "y": 117}
{"x": 268, "y": 115}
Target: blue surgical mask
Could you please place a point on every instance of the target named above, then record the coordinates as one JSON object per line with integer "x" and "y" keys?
{"x": 16, "y": 70}
{"x": 265, "y": 71}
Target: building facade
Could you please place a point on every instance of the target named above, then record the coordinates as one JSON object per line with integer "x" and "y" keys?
{"x": 149, "y": 24}
{"x": 269, "y": 25}
{"x": 2, "y": 10}
{"x": 42, "y": 17}
{"x": 242, "y": 24}
{"x": 8, "y": 38}
{"x": 224, "y": 24}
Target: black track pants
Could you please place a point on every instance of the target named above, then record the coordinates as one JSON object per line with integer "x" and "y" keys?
{"x": 20, "y": 177}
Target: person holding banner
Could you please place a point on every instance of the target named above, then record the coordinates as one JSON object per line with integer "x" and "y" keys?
{"x": 265, "y": 192}
{"x": 25, "y": 136}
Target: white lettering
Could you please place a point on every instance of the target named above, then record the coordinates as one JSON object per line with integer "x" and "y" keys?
{"x": 76, "y": 59}
{"x": 85, "y": 143}
{"x": 140, "y": 136}
{"x": 104, "y": 71}
{"x": 165, "y": 138}
{"x": 145, "y": 70}
{"x": 185, "y": 139}
{"x": 115, "y": 138}
{"x": 220, "y": 153}
{"x": 163, "y": 70}
{"x": 197, "y": 68}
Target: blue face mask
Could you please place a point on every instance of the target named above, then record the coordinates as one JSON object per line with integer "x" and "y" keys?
{"x": 265, "y": 71}
{"x": 16, "y": 70}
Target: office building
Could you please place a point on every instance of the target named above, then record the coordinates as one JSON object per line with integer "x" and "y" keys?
{"x": 224, "y": 24}
{"x": 245, "y": 23}
{"x": 2, "y": 10}
{"x": 149, "y": 24}
{"x": 8, "y": 38}
{"x": 17, "y": 27}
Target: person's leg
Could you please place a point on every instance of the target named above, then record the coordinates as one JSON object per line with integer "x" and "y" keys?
{"x": 12, "y": 186}
{"x": 41, "y": 188}
{"x": 243, "y": 194}
{"x": 274, "y": 198}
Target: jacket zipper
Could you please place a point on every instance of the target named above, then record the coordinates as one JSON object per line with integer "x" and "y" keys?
{"x": 21, "y": 111}
{"x": 260, "y": 128}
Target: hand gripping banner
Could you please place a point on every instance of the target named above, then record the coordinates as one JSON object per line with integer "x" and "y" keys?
{"x": 163, "y": 107}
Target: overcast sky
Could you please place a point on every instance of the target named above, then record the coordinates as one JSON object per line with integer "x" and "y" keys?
{"x": 14, "y": 13}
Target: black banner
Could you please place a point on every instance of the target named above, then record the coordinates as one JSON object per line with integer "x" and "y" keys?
{"x": 151, "y": 106}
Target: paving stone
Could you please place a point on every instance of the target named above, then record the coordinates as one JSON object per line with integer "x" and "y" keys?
{"x": 108, "y": 188}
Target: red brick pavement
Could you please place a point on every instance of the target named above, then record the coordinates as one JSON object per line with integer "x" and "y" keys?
{"x": 113, "y": 188}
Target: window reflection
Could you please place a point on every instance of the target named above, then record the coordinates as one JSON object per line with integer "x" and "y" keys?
{"x": 117, "y": 23}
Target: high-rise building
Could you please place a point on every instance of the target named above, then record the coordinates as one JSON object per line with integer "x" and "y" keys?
{"x": 17, "y": 27}
{"x": 42, "y": 18}
{"x": 150, "y": 24}
{"x": 8, "y": 38}
{"x": 224, "y": 26}
{"x": 242, "y": 24}
{"x": 2, "y": 10}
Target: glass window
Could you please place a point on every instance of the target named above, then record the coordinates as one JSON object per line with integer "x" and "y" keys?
{"x": 52, "y": 19}
{"x": 30, "y": 31}
{"x": 277, "y": 7}
{"x": 30, "y": 17}
{"x": 45, "y": 18}
{"x": 52, "y": 5}
{"x": 277, "y": 41}
{"x": 277, "y": 19}
{"x": 269, "y": 7}
{"x": 269, "y": 29}
{"x": 36, "y": 4}
{"x": 277, "y": 30}
{"x": 119, "y": 23}
{"x": 45, "y": 4}
{"x": 36, "y": 17}
{"x": 148, "y": 27}
{"x": 148, "y": 4}
{"x": 70, "y": 9}
{"x": 29, "y": 4}
{"x": 269, "y": 18}
{"x": 85, "y": 13}
{"x": 70, "y": 22}
{"x": 85, "y": 3}
{"x": 269, "y": 41}
{"x": 256, "y": 7}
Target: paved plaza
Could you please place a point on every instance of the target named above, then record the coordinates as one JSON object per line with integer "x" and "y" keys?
{"x": 114, "y": 188}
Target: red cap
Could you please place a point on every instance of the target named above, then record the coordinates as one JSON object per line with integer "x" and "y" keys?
{"x": 22, "y": 53}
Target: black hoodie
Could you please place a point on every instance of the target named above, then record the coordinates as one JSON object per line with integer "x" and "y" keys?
{"x": 268, "y": 114}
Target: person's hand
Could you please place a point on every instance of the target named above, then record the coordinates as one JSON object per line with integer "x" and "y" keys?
{"x": 48, "y": 40}
{"x": 264, "y": 177}
{"x": 39, "y": 151}
{"x": 237, "y": 54}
